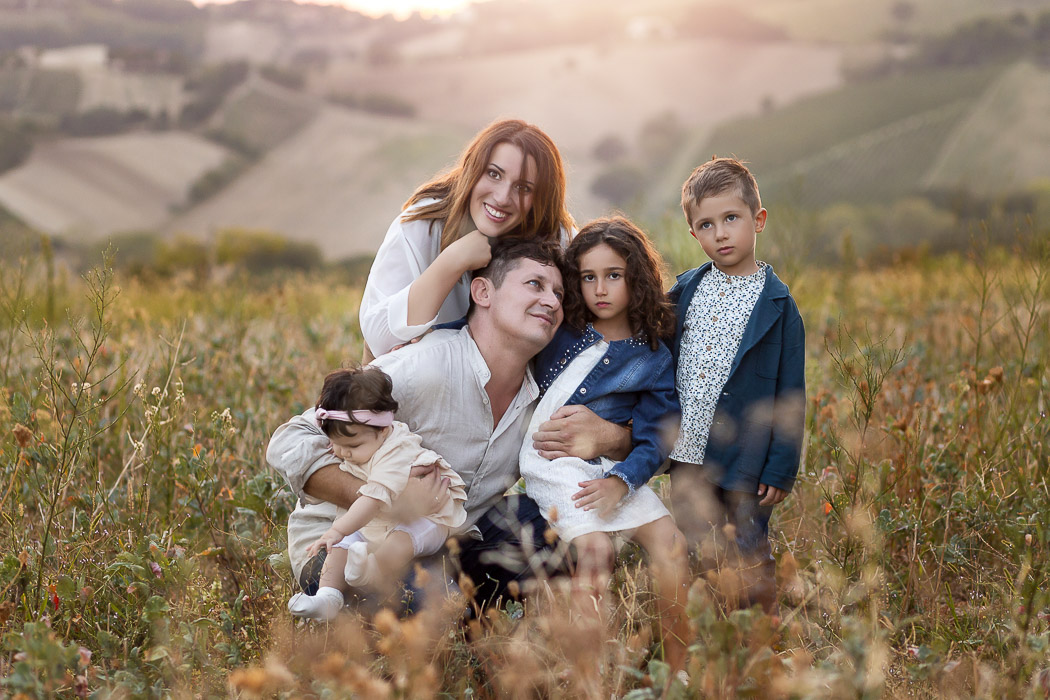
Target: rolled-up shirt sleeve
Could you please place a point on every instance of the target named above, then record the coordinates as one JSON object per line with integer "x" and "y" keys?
{"x": 298, "y": 449}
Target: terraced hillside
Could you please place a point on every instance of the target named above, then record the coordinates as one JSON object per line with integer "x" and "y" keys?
{"x": 90, "y": 188}
{"x": 337, "y": 183}
{"x": 1002, "y": 142}
{"x": 979, "y": 128}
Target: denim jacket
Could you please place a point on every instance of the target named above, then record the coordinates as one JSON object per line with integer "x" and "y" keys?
{"x": 631, "y": 383}
{"x": 756, "y": 434}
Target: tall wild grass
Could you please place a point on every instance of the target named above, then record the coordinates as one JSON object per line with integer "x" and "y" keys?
{"x": 142, "y": 538}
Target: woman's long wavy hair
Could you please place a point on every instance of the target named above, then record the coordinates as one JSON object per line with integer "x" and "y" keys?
{"x": 649, "y": 311}
{"x": 545, "y": 219}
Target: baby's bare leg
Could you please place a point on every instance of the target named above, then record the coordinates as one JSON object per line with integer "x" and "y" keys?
{"x": 394, "y": 555}
{"x": 332, "y": 574}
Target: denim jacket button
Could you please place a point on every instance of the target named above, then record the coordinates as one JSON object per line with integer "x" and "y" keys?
{"x": 583, "y": 390}
{"x": 605, "y": 361}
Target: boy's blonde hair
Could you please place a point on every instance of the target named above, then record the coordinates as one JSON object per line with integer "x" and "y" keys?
{"x": 717, "y": 176}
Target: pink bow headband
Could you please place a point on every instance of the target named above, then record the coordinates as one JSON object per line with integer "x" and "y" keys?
{"x": 377, "y": 419}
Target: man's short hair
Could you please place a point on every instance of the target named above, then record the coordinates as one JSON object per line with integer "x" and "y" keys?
{"x": 507, "y": 252}
{"x": 718, "y": 176}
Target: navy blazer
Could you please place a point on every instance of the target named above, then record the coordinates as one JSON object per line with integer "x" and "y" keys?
{"x": 756, "y": 433}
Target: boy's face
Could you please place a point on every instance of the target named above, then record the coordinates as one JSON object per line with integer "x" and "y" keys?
{"x": 726, "y": 229}
{"x": 359, "y": 443}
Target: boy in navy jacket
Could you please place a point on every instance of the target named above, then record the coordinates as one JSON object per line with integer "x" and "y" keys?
{"x": 739, "y": 355}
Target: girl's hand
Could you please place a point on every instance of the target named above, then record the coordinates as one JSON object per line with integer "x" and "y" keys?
{"x": 473, "y": 251}
{"x": 328, "y": 540}
{"x": 602, "y": 495}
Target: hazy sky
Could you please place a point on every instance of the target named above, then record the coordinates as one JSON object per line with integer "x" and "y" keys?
{"x": 403, "y": 8}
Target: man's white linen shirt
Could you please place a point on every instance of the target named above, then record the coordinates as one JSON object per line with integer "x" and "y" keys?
{"x": 439, "y": 384}
{"x": 714, "y": 327}
{"x": 407, "y": 250}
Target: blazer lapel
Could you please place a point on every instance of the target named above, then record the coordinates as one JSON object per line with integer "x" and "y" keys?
{"x": 767, "y": 309}
{"x": 686, "y": 298}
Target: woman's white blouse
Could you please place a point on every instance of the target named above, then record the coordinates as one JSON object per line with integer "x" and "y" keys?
{"x": 408, "y": 248}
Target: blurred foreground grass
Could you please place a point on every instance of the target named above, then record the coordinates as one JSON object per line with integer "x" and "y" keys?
{"x": 142, "y": 533}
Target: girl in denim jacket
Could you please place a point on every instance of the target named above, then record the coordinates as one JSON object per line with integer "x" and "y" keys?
{"x": 609, "y": 357}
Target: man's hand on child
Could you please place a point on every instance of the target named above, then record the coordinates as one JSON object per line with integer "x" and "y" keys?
{"x": 602, "y": 495}
{"x": 326, "y": 541}
{"x": 425, "y": 494}
{"x": 771, "y": 495}
{"x": 577, "y": 431}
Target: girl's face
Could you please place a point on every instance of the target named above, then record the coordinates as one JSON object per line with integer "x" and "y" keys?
{"x": 359, "y": 443}
{"x": 503, "y": 195}
{"x": 603, "y": 283}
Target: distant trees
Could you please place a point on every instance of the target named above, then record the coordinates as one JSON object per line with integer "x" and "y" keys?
{"x": 620, "y": 184}
{"x": 210, "y": 86}
{"x": 374, "y": 102}
{"x": 975, "y": 42}
{"x": 15, "y": 146}
{"x": 102, "y": 121}
{"x": 174, "y": 25}
{"x": 291, "y": 78}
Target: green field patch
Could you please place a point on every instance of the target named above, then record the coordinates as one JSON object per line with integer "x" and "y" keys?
{"x": 866, "y": 141}
{"x": 837, "y": 21}
{"x": 1004, "y": 141}
{"x": 36, "y": 92}
{"x": 262, "y": 118}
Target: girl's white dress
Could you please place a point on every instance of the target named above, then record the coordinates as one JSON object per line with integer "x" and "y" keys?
{"x": 551, "y": 483}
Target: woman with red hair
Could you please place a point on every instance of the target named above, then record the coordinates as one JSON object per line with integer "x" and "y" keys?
{"x": 509, "y": 181}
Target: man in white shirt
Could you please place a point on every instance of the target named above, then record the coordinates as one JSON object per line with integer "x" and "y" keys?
{"x": 469, "y": 394}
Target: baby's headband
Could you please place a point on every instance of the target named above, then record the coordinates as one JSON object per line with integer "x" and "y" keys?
{"x": 377, "y": 419}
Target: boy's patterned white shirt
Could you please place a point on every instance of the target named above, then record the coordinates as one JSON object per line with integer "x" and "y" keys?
{"x": 714, "y": 327}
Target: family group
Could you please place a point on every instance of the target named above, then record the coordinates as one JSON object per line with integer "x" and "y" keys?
{"x": 509, "y": 345}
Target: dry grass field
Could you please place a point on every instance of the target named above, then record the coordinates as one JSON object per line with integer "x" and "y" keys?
{"x": 142, "y": 547}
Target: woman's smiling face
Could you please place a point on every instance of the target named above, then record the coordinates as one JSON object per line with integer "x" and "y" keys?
{"x": 503, "y": 195}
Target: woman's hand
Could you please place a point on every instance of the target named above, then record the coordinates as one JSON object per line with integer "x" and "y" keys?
{"x": 602, "y": 495}
{"x": 328, "y": 540}
{"x": 473, "y": 251}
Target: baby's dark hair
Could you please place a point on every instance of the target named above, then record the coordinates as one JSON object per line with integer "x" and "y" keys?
{"x": 357, "y": 389}
{"x": 649, "y": 311}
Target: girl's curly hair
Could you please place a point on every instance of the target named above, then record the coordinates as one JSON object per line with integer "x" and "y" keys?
{"x": 649, "y": 311}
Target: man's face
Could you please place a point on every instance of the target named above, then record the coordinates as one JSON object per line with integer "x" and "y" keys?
{"x": 526, "y": 307}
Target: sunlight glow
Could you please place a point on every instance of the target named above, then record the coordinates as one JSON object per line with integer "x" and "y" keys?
{"x": 404, "y": 8}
